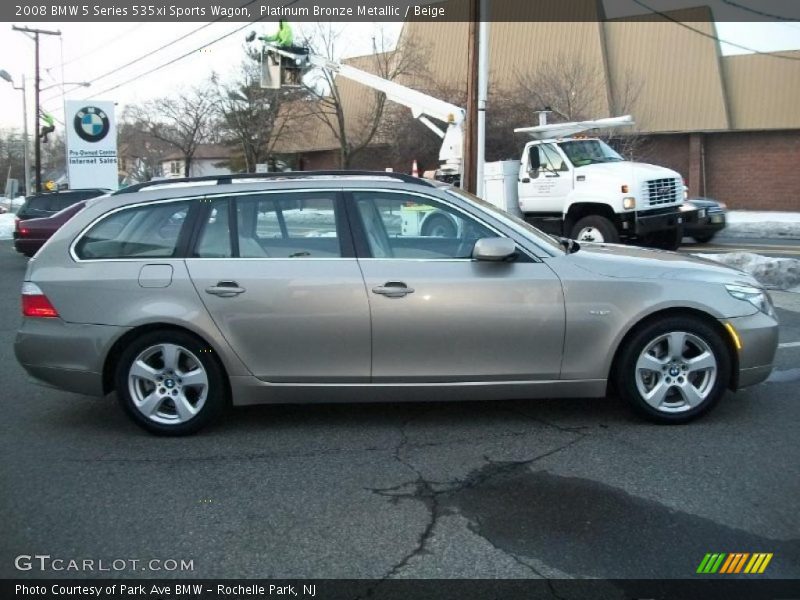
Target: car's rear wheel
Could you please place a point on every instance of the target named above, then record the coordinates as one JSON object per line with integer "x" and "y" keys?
{"x": 170, "y": 383}
{"x": 674, "y": 370}
{"x": 703, "y": 238}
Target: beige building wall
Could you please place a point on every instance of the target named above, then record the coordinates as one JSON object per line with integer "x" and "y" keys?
{"x": 764, "y": 90}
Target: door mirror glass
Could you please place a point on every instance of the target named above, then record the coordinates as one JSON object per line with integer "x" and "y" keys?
{"x": 494, "y": 249}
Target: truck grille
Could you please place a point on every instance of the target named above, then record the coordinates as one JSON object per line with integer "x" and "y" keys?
{"x": 658, "y": 192}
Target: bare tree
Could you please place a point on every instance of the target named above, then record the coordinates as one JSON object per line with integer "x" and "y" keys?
{"x": 355, "y": 132}
{"x": 11, "y": 158}
{"x": 573, "y": 90}
{"x": 249, "y": 115}
{"x": 140, "y": 153}
{"x": 183, "y": 121}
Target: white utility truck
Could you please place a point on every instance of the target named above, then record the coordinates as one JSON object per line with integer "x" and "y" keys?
{"x": 580, "y": 188}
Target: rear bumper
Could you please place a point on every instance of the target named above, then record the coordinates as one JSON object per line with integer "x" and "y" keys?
{"x": 711, "y": 223}
{"x": 27, "y": 247}
{"x": 67, "y": 356}
{"x": 758, "y": 334}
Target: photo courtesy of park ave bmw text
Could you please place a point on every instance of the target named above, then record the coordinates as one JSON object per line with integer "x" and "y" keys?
{"x": 419, "y": 299}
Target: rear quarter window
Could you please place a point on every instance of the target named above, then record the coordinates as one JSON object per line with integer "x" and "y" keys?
{"x": 139, "y": 232}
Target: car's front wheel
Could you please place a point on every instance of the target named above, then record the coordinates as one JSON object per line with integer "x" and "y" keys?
{"x": 170, "y": 383}
{"x": 674, "y": 370}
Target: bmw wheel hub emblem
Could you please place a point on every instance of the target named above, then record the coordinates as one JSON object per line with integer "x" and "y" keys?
{"x": 91, "y": 124}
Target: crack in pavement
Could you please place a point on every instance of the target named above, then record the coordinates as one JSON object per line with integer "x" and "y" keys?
{"x": 423, "y": 490}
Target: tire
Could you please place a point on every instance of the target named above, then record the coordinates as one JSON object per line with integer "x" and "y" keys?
{"x": 439, "y": 226}
{"x": 673, "y": 391}
{"x": 665, "y": 240}
{"x": 703, "y": 238}
{"x": 600, "y": 229}
{"x": 170, "y": 405}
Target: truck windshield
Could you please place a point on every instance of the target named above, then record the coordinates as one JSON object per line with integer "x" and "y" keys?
{"x": 586, "y": 152}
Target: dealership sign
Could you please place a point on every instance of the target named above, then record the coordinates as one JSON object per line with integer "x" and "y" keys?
{"x": 91, "y": 144}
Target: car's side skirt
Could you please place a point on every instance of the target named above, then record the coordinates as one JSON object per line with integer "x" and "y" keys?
{"x": 249, "y": 390}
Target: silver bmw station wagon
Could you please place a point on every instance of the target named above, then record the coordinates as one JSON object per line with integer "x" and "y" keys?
{"x": 184, "y": 297}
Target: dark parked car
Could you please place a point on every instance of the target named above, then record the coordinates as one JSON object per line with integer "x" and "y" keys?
{"x": 31, "y": 234}
{"x": 711, "y": 219}
{"x": 49, "y": 203}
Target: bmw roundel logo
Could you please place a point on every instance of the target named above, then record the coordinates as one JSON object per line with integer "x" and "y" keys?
{"x": 91, "y": 124}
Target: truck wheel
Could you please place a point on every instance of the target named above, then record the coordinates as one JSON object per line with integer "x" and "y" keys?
{"x": 439, "y": 226}
{"x": 595, "y": 228}
{"x": 673, "y": 369}
{"x": 665, "y": 240}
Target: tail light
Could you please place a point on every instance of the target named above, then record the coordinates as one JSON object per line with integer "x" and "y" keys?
{"x": 21, "y": 229}
{"x": 35, "y": 303}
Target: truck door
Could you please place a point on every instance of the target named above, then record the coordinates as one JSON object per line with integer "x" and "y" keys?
{"x": 545, "y": 180}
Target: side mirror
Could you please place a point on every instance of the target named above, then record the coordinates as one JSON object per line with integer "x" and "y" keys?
{"x": 494, "y": 249}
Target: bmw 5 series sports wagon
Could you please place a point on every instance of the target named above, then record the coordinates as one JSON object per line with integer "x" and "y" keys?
{"x": 183, "y": 297}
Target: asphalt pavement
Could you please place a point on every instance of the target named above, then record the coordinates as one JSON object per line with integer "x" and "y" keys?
{"x": 561, "y": 488}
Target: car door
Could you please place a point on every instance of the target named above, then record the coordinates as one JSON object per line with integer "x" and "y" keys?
{"x": 278, "y": 275}
{"x": 439, "y": 316}
{"x": 546, "y": 181}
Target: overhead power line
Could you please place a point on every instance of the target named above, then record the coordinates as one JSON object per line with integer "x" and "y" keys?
{"x": 190, "y": 53}
{"x": 757, "y": 11}
{"x": 714, "y": 37}
{"x": 101, "y": 45}
{"x": 116, "y": 70}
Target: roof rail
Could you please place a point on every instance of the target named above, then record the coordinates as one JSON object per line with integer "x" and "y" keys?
{"x": 228, "y": 179}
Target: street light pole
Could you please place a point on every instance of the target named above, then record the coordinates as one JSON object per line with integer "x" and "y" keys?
{"x": 38, "y": 146}
{"x": 26, "y": 150}
{"x": 5, "y": 75}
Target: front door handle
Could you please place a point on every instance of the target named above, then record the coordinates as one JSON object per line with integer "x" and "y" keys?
{"x": 225, "y": 289}
{"x": 393, "y": 289}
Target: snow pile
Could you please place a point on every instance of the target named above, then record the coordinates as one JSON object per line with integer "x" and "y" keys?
{"x": 756, "y": 224}
{"x": 12, "y": 205}
{"x": 774, "y": 273}
{"x": 6, "y": 226}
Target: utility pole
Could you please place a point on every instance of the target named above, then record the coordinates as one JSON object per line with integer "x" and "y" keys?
{"x": 483, "y": 89}
{"x": 37, "y": 81}
{"x": 468, "y": 179}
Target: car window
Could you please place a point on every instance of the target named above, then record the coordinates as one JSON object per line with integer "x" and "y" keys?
{"x": 215, "y": 238}
{"x": 410, "y": 226}
{"x": 144, "y": 231}
{"x": 296, "y": 225}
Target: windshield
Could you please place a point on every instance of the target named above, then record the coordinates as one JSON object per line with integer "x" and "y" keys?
{"x": 586, "y": 152}
{"x": 511, "y": 220}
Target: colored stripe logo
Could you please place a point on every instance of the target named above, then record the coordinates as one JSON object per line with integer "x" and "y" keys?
{"x": 735, "y": 562}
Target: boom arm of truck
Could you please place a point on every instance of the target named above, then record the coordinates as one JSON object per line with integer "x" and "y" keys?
{"x": 423, "y": 106}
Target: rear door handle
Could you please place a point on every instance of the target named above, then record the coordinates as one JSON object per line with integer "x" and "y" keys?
{"x": 225, "y": 289}
{"x": 393, "y": 289}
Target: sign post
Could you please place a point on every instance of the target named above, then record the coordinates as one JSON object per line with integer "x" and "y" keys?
{"x": 91, "y": 144}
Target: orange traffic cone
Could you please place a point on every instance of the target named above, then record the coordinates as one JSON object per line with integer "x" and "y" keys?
{"x": 414, "y": 169}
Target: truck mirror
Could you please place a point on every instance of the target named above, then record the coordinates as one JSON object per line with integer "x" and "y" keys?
{"x": 533, "y": 160}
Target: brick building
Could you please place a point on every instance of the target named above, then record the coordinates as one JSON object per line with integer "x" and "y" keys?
{"x": 729, "y": 124}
